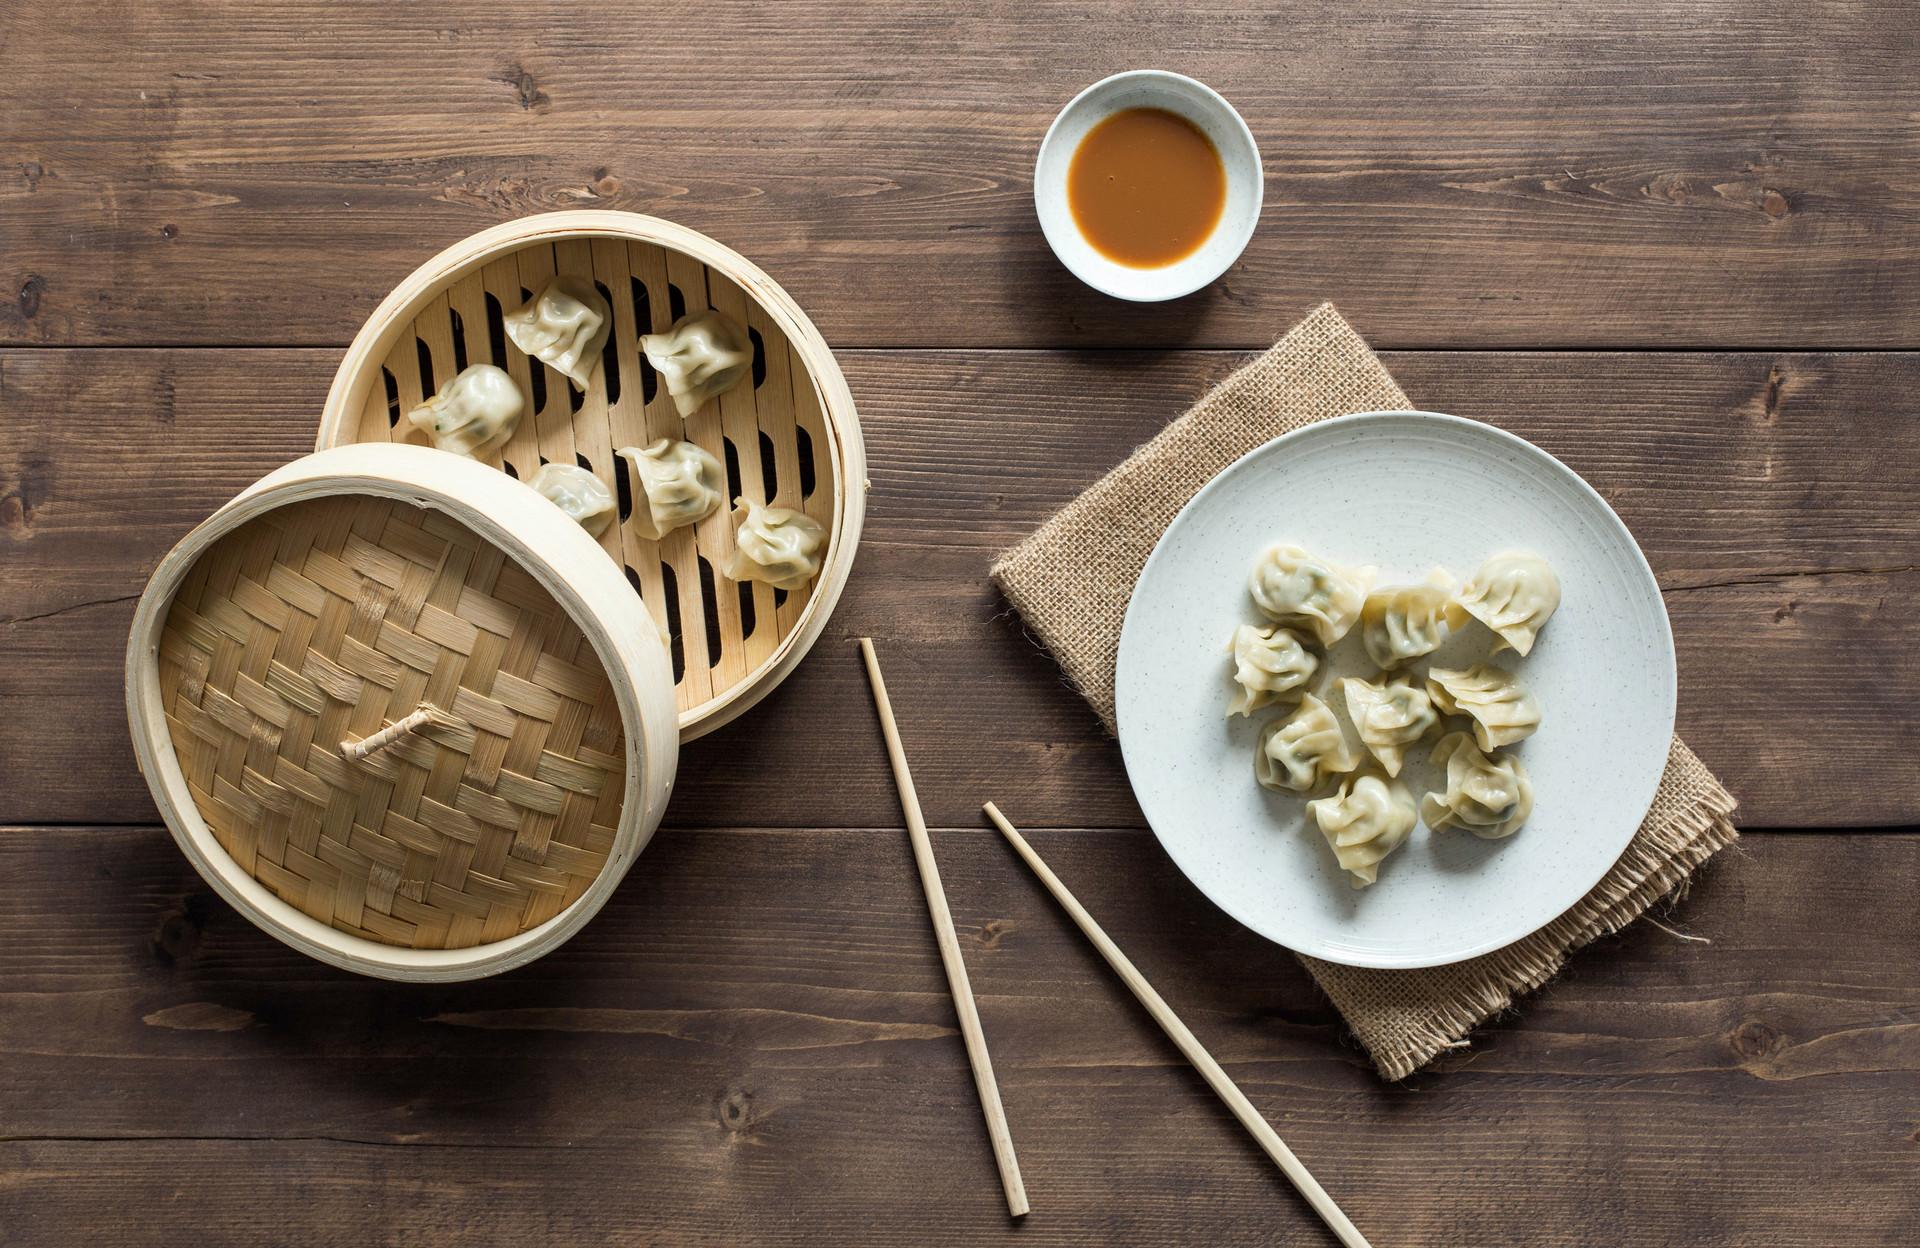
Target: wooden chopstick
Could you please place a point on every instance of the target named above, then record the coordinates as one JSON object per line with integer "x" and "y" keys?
{"x": 1202, "y": 1060}
{"x": 963, "y": 1005}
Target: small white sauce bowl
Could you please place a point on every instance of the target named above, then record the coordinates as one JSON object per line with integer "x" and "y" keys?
{"x": 1199, "y": 104}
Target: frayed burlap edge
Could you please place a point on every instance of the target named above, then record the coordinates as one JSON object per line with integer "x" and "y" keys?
{"x": 1071, "y": 581}
{"x": 1405, "y": 1019}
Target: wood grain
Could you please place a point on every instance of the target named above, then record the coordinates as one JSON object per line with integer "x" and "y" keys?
{"x": 1242, "y": 1108}
{"x": 752, "y": 1044}
{"x": 1633, "y": 173}
{"x": 1775, "y": 497}
{"x": 953, "y": 961}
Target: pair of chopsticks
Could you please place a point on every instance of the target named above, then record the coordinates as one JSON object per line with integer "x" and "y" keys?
{"x": 975, "y": 1037}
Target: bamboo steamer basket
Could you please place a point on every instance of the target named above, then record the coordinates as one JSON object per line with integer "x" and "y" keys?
{"x": 402, "y": 712}
{"x": 791, "y": 438}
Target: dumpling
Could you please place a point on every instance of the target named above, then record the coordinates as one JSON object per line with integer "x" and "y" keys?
{"x": 477, "y": 410}
{"x": 565, "y": 325}
{"x": 1514, "y": 593}
{"x": 1300, "y": 590}
{"x": 683, "y": 483}
{"x": 1305, "y": 750}
{"x": 1367, "y": 819}
{"x": 1268, "y": 663}
{"x": 702, "y": 357}
{"x": 1389, "y": 717}
{"x": 584, "y": 497}
{"x": 1403, "y": 622}
{"x": 1487, "y": 794}
{"x": 772, "y": 544}
{"x": 1502, "y": 712}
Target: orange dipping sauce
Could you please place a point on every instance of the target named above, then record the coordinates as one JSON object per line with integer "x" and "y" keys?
{"x": 1146, "y": 188}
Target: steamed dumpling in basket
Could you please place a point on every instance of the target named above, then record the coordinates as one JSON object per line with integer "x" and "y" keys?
{"x": 477, "y": 410}
{"x": 702, "y": 357}
{"x": 775, "y": 545}
{"x": 683, "y": 483}
{"x": 584, "y": 497}
{"x": 564, "y": 326}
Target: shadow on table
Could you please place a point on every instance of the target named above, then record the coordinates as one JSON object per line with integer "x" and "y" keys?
{"x": 1068, "y": 314}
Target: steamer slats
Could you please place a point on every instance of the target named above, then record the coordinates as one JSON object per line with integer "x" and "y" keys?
{"x": 726, "y": 655}
{"x": 827, "y": 466}
{"x": 501, "y": 281}
{"x": 374, "y": 413}
{"x": 680, "y": 549}
{"x": 548, "y": 403}
{"x": 742, "y": 427}
{"x": 592, "y": 429}
{"x": 775, "y": 396}
{"x": 434, "y": 330}
{"x": 714, "y": 535}
{"x": 403, "y": 362}
{"x": 467, "y": 300}
{"x": 627, "y": 419}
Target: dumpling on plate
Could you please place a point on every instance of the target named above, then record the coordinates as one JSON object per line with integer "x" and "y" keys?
{"x": 1302, "y": 752}
{"x": 1268, "y": 664}
{"x": 1301, "y": 590}
{"x": 584, "y": 497}
{"x": 564, "y": 325}
{"x": 1488, "y": 794}
{"x": 1502, "y": 711}
{"x": 683, "y": 483}
{"x": 774, "y": 545}
{"x": 1366, "y": 819}
{"x": 477, "y": 410}
{"x": 1389, "y": 716}
{"x": 702, "y": 357}
{"x": 1514, "y": 593}
{"x": 1402, "y": 622}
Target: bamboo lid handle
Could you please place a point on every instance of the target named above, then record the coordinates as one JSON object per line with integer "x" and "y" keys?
{"x": 354, "y": 751}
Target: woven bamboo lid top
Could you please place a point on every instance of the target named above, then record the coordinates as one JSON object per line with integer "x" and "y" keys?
{"x": 314, "y": 626}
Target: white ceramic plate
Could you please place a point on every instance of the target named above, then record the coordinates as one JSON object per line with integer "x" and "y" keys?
{"x": 1405, "y": 491}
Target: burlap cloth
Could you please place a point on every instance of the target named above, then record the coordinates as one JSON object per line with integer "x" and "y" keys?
{"x": 1072, "y": 579}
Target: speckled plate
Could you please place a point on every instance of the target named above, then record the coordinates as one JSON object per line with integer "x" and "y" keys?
{"x": 1405, "y": 491}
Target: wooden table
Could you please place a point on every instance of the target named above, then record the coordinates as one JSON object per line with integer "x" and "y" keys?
{"x": 1678, "y": 245}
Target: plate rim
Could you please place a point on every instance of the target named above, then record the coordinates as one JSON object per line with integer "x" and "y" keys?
{"x": 1362, "y": 958}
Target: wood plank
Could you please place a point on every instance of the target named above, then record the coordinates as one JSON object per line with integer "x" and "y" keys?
{"x": 752, "y": 1044}
{"x": 1729, "y": 173}
{"x": 1775, "y": 498}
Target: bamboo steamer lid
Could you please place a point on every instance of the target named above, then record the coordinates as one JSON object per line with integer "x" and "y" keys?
{"x": 402, "y": 712}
